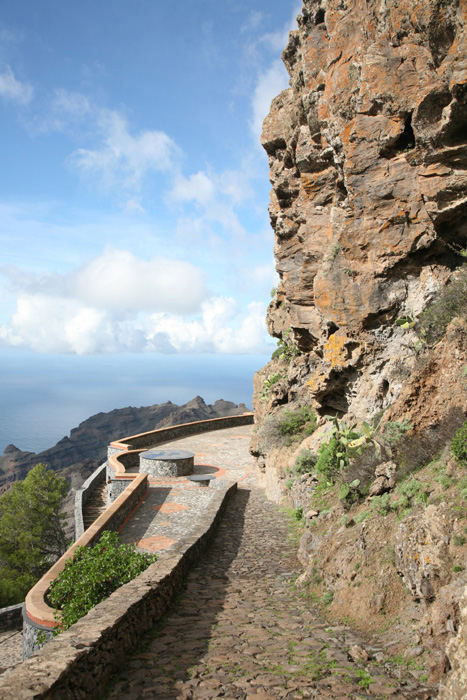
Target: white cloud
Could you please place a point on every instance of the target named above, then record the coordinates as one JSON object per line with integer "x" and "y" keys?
{"x": 222, "y": 328}
{"x": 124, "y": 159}
{"x": 14, "y": 90}
{"x": 118, "y": 303}
{"x": 117, "y": 279}
{"x": 270, "y": 83}
{"x": 198, "y": 188}
{"x": 50, "y": 324}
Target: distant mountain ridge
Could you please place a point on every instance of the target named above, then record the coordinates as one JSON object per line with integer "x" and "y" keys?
{"x": 79, "y": 454}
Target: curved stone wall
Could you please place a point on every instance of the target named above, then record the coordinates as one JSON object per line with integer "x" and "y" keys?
{"x": 80, "y": 661}
{"x": 126, "y": 489}
{"x": 123, "y": 455}
{"x": 38, "y": 615}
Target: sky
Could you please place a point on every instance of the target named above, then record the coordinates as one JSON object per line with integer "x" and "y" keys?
{"x": 133, "y": 188}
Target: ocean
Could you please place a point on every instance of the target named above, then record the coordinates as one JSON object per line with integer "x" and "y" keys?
{"x": 42, "y": 397}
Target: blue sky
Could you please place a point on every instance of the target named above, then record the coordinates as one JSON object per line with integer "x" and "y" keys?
{"x": 133, "y": 189}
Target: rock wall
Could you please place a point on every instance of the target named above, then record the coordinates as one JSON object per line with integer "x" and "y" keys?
{"x": 367, "y": 153}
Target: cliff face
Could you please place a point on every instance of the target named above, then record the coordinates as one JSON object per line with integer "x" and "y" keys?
{"x": 368, "y": 156}
{"x": 368, "y": 164}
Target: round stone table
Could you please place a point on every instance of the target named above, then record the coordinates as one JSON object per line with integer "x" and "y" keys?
{"x": 157, "y": 462}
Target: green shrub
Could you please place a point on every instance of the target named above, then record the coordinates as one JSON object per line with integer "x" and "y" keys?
{"x": 362, "y": 516}
{"x": 93, "y": 574}
{"x": 270, "y": 380}
{"x": 289, "y": 484}
{"x": 459, "y": 445}
{"x": 412, "y": 492}
{"x": 349, "y": 493}
{"x": 365, "y": 679}
{"x": 297, "y": 514}
{"x": 459, "y": 540}
{"x": 327, "y": 458}
{"x": 394, "y": 430}
{"x": 381, "y": 504}
{"x": 327, "y": 597}
{"x": 457, "y": 568}
{"x": 334, "y": 455}
{"x": 450, "y": 302}
{"x": 305, "y": 462}
{"x": 286, "y": 348}
{"x": 295, "y": 423}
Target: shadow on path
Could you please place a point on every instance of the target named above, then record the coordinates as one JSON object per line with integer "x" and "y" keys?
{"x": 181, "y": 639}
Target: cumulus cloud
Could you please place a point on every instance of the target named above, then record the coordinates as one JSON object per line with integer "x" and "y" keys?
{"x": 14, "y": 90}
{"x": 117, "y": 279}
{"x": 221, "y": 328}
{"x": 270, "y": 83}
{"x": 119, "y": 303}
{"x": 197, "y": 188}
{"x": 50, "y": 324}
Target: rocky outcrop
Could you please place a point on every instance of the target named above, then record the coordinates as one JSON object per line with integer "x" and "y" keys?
{"x": 367, "y": 153}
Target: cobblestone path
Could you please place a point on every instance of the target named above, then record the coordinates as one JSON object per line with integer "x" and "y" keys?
{"x": 11, "y": 649}
{"x": 239, "y": 630}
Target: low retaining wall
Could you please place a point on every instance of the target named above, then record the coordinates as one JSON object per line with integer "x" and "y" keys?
{"x": 78, "y": 664}
{"x": 38, "y": 616}
{"x": 155, "y": 437}
{"x": 11, "y": 618}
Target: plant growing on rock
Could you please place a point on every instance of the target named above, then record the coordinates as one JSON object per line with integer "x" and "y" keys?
{"x": 349, "y": 493}
{"x": 305, "y": 462}
{"x": 270, "y": 380}
{"x": 459, "y": 445}
{"x": 450, "y": 302}
{"x": 92, "y": 575}
{"x": 395, "y": 430}
{"x": 412, "y": 492}
{"x": 286, "y": 348}
{"x": 297, "y": 423}
{"x": 334, "y": 455}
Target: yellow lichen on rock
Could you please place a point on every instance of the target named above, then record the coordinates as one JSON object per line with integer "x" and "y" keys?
{"x": 334, "y": 350}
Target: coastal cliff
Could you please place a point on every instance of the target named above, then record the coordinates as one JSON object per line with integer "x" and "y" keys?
{"x": 367, "y": 153}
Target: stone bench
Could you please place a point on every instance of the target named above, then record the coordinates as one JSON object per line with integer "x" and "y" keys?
{"x": 201, "y": 479}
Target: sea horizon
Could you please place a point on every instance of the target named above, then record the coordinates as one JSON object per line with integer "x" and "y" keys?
{"x": 44, "y": 397}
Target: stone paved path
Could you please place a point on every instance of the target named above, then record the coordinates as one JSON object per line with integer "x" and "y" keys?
{"x": 240, "y": 631}
{"x": 174, "y": 505}
{"x": 11, "y": 649}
